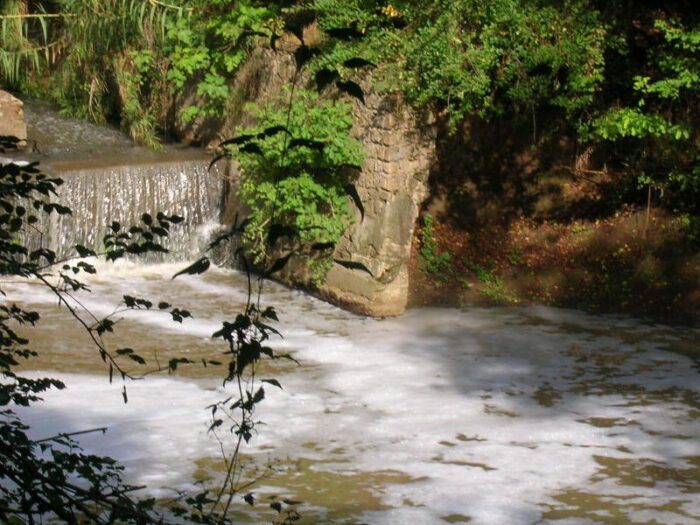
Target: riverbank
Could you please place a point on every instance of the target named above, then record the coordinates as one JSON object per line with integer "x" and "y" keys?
{"x": 647, "y": 265}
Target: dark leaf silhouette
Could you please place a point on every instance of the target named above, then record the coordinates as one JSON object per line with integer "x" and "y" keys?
{"x": 251, "y": 147}
{"x": 278, "y": 265}
{"x": 199, "y": 266}
{"x": 353, "y": 265}
{"x": 272, "y": 130}
{"x": 240, "y": 139}
{"x": 322, "y": 246}
{"x": 344, "y": 33}
{"x": 273, "y": 382}
{"x": 353, "y": 89}
{"x": 325, "y": 77}
{"x": 357, "y": 62}
{"x": 83, "y": 251}
{"x": 307, "y": 143}
{"x": 304, "y": 54}
{"x": 351, "y": 190}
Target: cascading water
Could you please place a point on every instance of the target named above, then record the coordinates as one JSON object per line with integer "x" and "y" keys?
{"x": 108, "y": 179}
{"x": 98, "y": 196}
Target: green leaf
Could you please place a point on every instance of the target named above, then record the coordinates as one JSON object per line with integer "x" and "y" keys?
{"x": 197, "y": 267}
{"x": 273, "y": 382}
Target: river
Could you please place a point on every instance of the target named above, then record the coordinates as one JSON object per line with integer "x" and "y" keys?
{"x": 489, "y": 416}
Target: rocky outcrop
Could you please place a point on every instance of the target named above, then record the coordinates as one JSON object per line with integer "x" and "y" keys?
{"x": 12, "y": 117}
{"x": 371, "y": 275}
{"x": 392, "y": 185}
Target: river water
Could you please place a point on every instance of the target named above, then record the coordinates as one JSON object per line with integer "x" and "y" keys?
{"x": 488, "y": 416}
{"x": 499, "y": 415}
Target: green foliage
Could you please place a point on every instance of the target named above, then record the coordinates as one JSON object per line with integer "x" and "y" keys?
{"x": 492, "y": 286}
{"x": 52, "y": 479}
{"x": 616, "y": 74}
{"x": 474, "y": 57}
{"x": 295, "y": 173}
{"x": 437, "y": 263}
{"x": 24, "y": 43}
{"x": 661, "y": 118}
{"x": 208, "y": 46}
{"x": 129, "y": 59}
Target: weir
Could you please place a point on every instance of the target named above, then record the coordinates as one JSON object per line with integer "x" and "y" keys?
{"x": 98, "y": 196}
{"x": 108, "y": 179}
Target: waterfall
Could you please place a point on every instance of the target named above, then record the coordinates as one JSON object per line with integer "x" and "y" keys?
{"x": 98, "y": 196}
{"x": 107, "y": 178}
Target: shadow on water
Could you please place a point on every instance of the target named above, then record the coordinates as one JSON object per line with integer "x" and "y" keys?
{"x": 632, "y": 387}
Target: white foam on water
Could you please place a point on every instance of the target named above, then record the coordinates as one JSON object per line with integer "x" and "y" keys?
{"x": 157, "y": 435}
{"x": 453, "y": 399}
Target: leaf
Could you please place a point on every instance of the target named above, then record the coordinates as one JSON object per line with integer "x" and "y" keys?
{"x": 270, "y": 313}
{"x": 325, "y": 77}
{"x": 278, "y": 264}
{"x": 352, "y": 88}
{"x": 353, "y": 265}
{"x": 126, "y": 399}
{"x": 307, "y": 143}
{"x": 272, "y": 131}
{"x": 249, "y": 499}
{"x": 197, "y": 267}
{"x": 322, "y": 246}
{"x": 241, "y": 139}
{"x": 135, "y": 357}
{"x": 83, "y": 251}
{"x": 292, "y": 502}
{"x": 303, "y": 54}
{"x": 251, "y": 147}
{"x": 216, "y": 160}
{"x": 344, "y": 33}
{"x": 273, "y": 382}
{"x": 259, "y": 395}
{"x": 357, "y": 62}
{"x": 351, "y": 190}
{"x": 278, "y": 231}
{"x": 276, "y": 505}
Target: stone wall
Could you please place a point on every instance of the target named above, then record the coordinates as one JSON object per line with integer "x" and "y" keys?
{"x": 393, "y": 183}
{"x": 12, "y": 117}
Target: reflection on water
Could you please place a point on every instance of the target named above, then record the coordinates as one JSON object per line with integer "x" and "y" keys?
{"x": 504, "y": 415}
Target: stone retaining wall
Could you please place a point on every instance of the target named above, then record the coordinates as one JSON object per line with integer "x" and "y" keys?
{"x": 400, "y": 147}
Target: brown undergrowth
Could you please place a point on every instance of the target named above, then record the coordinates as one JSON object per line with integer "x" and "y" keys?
{"x": 630, "y": 262}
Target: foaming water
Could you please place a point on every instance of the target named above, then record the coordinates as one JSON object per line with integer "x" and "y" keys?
{"x": 98, "y": 196}
{"x": 531, "y": 415}
{"x": 107, "y": 178}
